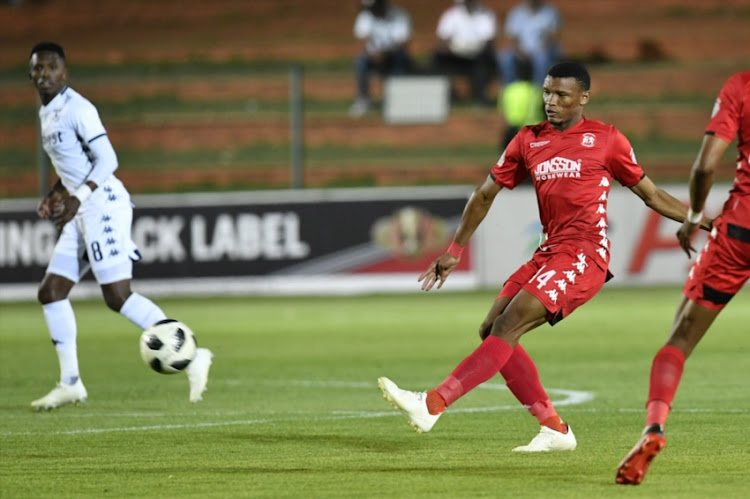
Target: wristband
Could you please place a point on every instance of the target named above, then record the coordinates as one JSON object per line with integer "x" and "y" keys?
{"x": 693, "y": 217}
{"x": 83, "y": 192}
{"x": 455, "y": 249}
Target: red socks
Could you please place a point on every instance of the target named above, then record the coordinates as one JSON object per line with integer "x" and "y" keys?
{"x": 517, "y": 368}
{"x": 475, "y": 369}
{"x": 666, "y": 372}
{"x": 522, "y": 379}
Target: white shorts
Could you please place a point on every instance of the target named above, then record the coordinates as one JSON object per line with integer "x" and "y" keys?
{"x": 98, "y": 238}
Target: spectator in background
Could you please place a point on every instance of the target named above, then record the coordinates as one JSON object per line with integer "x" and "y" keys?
{"x": 520, "y": 104}
{"x": 532, "y": 32}
{"x": 385, "y": 29}
{"x": 466, "y": 46}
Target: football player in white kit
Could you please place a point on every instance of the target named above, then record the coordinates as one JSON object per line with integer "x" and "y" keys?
{"x": 92, "y": 209}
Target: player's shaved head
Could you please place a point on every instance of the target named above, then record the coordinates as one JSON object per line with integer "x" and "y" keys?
{"x": 48, "y": 47}
{"x": 571, "y": 69}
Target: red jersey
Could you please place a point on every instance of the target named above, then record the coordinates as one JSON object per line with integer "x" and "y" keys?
{"x": 572, "y": 172}
{"x": 731, "y": 118}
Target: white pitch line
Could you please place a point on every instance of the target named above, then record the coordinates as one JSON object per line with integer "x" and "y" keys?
{"x": 566, "y": 398}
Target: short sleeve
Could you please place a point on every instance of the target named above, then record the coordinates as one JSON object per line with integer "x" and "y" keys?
{"x": 510, "y": 170}
{"x": 511, "y": 23}
{"x": 724, "y": 121}
{"x": 88, "y": 125}
{"x": 622, "y": 163}
{"x": 446, "y": 25}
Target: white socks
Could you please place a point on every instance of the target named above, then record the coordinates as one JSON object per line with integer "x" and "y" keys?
{"x": 61, "y": 323}
{"x": 141, "y": 311}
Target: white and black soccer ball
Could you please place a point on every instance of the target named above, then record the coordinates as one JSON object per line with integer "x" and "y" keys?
{"x": 168, "y": 346}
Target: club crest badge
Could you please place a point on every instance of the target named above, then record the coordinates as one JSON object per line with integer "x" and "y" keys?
{"x": 588, "y": 140}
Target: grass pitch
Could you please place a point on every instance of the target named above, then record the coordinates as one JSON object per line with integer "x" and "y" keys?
{"x": 293, "y": 408}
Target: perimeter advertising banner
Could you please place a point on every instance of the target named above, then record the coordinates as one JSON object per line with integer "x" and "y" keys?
{"x": 326, "y": 241}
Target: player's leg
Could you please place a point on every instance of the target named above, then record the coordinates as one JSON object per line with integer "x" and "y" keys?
{"x": 666, "y": 369}
{"x": 107, "y": 222}
{"x": 422, "y": 410}
{"x": 62, "y": 274}
{"x": 720, "y": 271}
{"x": 522, "y": 378}
{"x": 135, "y": 307}
{"x": 520, "y": 372}
{"x": 144, "y": 313}
{"x": 691, "y": 323}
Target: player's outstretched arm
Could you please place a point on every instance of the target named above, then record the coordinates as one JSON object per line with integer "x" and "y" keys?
{"x": 476, "y": 209}
{"x": 664, "y": 203}
{"x": 667, "y": 205}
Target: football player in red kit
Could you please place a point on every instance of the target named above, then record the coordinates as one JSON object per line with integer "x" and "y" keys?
{"x": 719, "y": 272}
{"x": 572, "y": 162}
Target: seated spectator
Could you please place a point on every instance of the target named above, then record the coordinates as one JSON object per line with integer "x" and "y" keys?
{"x": 532, "y": 32}
{"x": 466, "y": 37}
{"x": 385, "y": 29}
{"x": 520, "y": 104}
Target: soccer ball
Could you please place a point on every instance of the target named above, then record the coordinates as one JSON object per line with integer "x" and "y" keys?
{"x": 168, "y": 346}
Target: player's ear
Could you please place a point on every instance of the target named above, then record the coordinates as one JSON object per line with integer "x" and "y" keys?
{"x": 585, "y": 97}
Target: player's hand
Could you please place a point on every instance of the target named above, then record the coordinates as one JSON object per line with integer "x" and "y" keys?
{"x": 685, "y": 236}
{"x": 65, "y": 211}
{"x": 438, "y": 271}
{"x": 51, "y": 204}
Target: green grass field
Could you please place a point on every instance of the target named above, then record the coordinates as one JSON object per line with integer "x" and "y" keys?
{"x": 293, "y": 408}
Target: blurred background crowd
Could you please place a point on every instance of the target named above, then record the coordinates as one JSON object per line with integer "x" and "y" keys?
{"x": 198, "y": 95}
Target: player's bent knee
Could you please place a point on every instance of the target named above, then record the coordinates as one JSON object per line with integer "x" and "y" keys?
{"x": 45, "y": 295}
{"x": 114, "y": 301}
{"x": 49, "y": 293}
{"x": 116, "y": 294}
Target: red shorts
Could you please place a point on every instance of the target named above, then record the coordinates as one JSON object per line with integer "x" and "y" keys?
{"x": 722, "y": 266}
{"x": 563, "y": 278}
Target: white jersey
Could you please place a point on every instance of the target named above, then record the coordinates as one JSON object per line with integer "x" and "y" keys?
{"x": 467, "y": 32}
{"x": 69, "y": 124}
{"x": 383, "y": 34}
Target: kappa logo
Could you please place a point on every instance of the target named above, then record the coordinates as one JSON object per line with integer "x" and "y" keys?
{"x": 716, "y": 108}
{"x": 588, "y": 140}
{"x": 501, "y": 160}
{"x": 541, "y": 143}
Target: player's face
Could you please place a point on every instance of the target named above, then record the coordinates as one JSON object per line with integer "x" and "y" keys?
{"x": 563, "y": 101}
{"x": 48, "y": 74}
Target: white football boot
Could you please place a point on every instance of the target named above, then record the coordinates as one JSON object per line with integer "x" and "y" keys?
{"x": 61, "y": 395}
{"x": 413, "y": 405}
{"x": 548, "y": 440}
{"x": 197, "y": 373}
